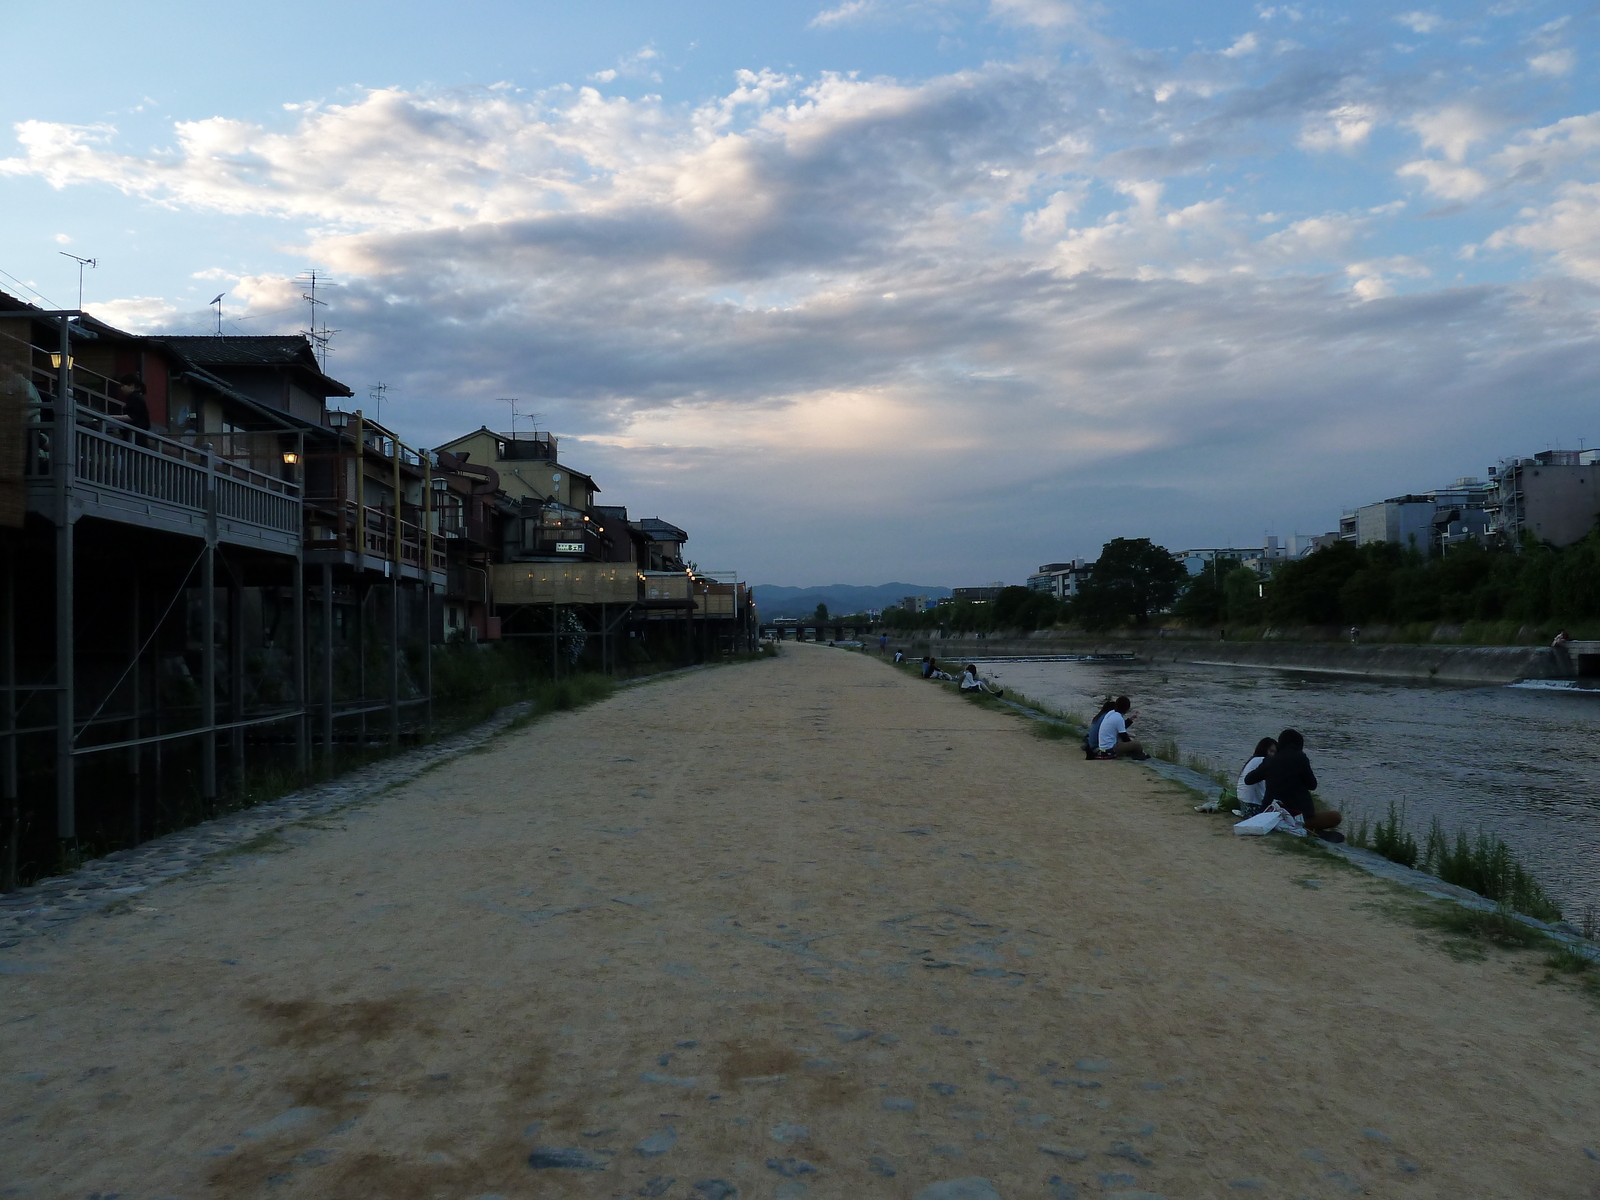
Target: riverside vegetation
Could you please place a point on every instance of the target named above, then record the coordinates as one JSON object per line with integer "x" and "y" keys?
{"x": 1489, "y": 596}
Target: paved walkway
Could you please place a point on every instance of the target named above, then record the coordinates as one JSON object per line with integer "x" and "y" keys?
{"x": 805, "y": 928}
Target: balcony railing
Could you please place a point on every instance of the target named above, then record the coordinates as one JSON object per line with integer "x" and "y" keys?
{"x": 112, "y": 455}
{"x": 332, "y": 526}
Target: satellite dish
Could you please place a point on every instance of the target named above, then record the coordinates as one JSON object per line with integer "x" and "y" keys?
{"x": 556, "y": 478}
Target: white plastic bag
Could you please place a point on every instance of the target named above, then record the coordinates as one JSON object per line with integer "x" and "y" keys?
{"x": 1262, "y": 822}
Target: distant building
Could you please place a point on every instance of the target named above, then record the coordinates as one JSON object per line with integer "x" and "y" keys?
{"x": 1554, "y": 495}
{"x": 1428, "y": 522}
{"x": 914, "y": 604}
{"x": 977, "y": 595}
{"x": 1063, "y": 580}
{"x": 1197, "y": 561}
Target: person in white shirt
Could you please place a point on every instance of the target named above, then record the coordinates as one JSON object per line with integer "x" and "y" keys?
{"x": 1253, "y": 796}
{"x": 971, "y": 683}
{"x": 1115, "y": 740}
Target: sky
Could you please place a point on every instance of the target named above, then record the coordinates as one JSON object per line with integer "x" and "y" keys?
{"x": 931, "y": 290}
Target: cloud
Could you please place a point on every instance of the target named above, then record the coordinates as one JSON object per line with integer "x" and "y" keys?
{"x": 1420, "y": 22}
{"x": 1245, "y": 44}
{"x": 1039, "y": 14}
{"x": 844, "y": 14}
{"x": 1054, "y": 281}
{"x": 1445, "y": 179}
{"x": 1342, "y": 128}
{"x": 1567, "y": 229}
{"x": 1554, "y": 62}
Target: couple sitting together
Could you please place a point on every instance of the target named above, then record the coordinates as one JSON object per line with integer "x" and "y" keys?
{"x": 1108, "y": 735}
{"x": 1280, "y": 772}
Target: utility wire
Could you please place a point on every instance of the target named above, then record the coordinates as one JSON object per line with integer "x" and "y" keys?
{"x": 31, "y": 288}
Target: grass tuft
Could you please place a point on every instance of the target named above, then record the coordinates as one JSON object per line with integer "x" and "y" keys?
{"x": 1497, "y": 928}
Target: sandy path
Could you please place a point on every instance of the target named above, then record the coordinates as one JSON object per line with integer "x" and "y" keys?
{"x": 804, "y": 928}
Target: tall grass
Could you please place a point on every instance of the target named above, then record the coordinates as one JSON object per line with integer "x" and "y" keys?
{"x": 1480, "y": 862}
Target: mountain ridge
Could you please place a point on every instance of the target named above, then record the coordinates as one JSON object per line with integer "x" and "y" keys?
{"x": 775, "y": 600}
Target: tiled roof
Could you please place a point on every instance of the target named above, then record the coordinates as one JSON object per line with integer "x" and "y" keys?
{"x": 263, "y": 350}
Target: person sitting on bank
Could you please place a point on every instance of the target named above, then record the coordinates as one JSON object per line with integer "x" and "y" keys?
{"x": 1115, "y": 741}
{"x": 927, "y": 666}
{"x": 1290, "y": 781}
{"x": 899, "y": 656}
{"x": 971, "y": 683}
{"x": 1253, "y": 796}
{"x": 1091, "y": 740}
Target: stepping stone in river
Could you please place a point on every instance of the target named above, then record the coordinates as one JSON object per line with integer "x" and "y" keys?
{"x": 565, "y": 1158}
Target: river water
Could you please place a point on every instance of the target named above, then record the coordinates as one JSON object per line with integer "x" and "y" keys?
{"x": 1522, "y": 762}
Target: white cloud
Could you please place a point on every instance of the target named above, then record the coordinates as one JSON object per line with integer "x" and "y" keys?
{"x": 1554, "y": 62}
{"x": 63, "y": 240}
{"x": 137, "y": 314}
{"x": 1373, "y": 279}
{"x": 1567, "y": 229}
{"x": 1245, "y": 44}
{"x": 1420, "y": 22}
{"x": 1342, "y": 128}
{"x": 1040, "y": 14}
{"x": 844, "y": 14}
{"x": 1454, "y": 128}
{"x": 718, "y": 298}
{"x": 1445, "y": 180}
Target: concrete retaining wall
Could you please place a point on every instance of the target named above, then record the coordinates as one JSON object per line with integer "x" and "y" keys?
{"x": 1442, "y": 663}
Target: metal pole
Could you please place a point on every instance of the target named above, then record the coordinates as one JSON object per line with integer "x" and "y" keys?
{"x": 327, "y": 664}
{"x": 297, "y": 628}
{"x": 394, "y": 598}
{"x": 63, "y": 451}
{"x": 136, "y": 696}
{"x": 8, "y": 754}
{"x": 297, "y": 648}
{"x": 208, "y": 647}
{"x": 235, "y": 683}
{"x": 427, "y": 589}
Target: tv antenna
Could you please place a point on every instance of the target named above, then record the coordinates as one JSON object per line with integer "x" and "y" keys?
{"x": 218, "y": 302}
{"x": 376, "y": 393}
{"x": 319, "y": 338}
{"x": 82, "y": 263}
{"x": 513, "y": 401}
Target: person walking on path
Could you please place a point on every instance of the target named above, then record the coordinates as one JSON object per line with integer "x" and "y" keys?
{"x": 1290, "y": 781}
{"x": 883, "y": 643}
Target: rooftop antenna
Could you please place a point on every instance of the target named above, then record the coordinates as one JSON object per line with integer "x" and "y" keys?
{"x": 375, "y": 393}
{"x": 513, "y": 401}
{"x": 218, "y": 302}
{"x": 319, "y": 338}
{"x": 82, "y": 263}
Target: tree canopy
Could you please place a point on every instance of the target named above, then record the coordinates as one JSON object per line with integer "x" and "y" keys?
{"x": 1131, "y": 579}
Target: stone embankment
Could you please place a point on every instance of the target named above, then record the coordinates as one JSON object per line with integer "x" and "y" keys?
{"x": 1437, "y": 662}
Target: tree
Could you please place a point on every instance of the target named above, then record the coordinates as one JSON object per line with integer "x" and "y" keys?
{"x": 1131, "y": 579}
{"x": 1202, "y": 603}
{"x": 1024, "y": 608}
{"x": 1241, "y": 589}
{"x": 821, "y": 615}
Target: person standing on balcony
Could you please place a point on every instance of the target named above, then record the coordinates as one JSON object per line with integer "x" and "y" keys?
{"x": 135, "y": 408}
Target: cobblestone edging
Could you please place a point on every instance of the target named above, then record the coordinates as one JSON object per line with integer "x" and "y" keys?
{"x": 97, "y": 885}
{"x": 1374, "y": 864}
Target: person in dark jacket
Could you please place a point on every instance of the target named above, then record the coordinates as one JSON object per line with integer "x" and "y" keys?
{"x": 1290, "y": 781}
{"x": 135, "y": 408}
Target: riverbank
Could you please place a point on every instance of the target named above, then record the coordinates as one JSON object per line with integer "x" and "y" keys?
{"x": 806, "y": 922}
{"x": 1442, "y": 663}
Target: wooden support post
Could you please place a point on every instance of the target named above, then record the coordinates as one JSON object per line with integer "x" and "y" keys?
{"x": 63, "y": 455}
{"x": 395, "y": 568}
{"x": 136, "y": 705}
{"x": 8, "y": 752}
{"x": 235, "y": 684}
{"x": 208, "y": 649}
{"x": 297, "y": 648}
{"x": 327, "y": 664}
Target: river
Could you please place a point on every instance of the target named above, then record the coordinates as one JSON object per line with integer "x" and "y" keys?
{"x": 1521, "y": 762}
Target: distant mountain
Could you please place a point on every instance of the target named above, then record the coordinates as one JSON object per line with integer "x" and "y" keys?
{"x": 842, "y": 599}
